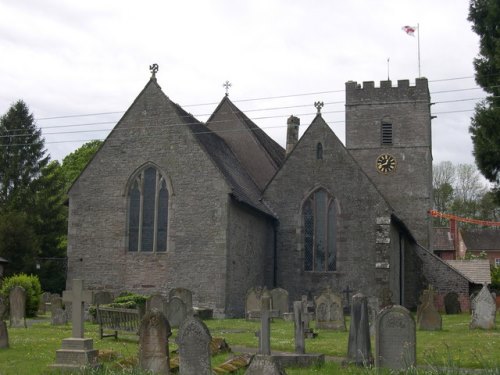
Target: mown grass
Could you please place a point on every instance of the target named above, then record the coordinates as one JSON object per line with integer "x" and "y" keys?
{"x": 33, "y": 349}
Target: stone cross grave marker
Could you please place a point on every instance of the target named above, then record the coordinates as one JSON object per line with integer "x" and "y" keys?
{"x": 4, "y": 335}
{"x": 347, "y": 293}
{"x": 483, "y": 310}
{"x": 306, "y": 318}
{"x": 194, "y": 340}
{"x": 428, "y": 318}
{"x": 77, "y": 296}
{"x": 17, "y": 301}
{"x": 153, "y": 343}
{"x": 265, "y": 324}
{"x": 300, "y": 342}
{"x": 176, "y": 312}
{"x": 359, "y": 347}
{"x": 329, "y": 311}
{"x": 395, "y": 338}
{"x": 452, "y": 304}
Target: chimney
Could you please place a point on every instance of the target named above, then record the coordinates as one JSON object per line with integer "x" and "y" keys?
{"x": 292, "y": 133}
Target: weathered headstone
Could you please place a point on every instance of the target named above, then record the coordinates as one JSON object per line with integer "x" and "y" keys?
{"x": 102, "y": 297}
{"x": 483, "y": 310}
{"x": 395, "y": 338}
{"x": 176, "y": 312}
{"x": 329, "y": 311}
{"x": 280, "y": 301}
{"x": 193, "y": 341}
{"x": 55, "y": 302}
{"x": 4, "y": 335}
{"x": 428, "y": 318}
{"x": 359, "y": 346}
{"x": 17, "y": 302}
{"x": 3, "y": 308}
{"x": 185, "y": 295}
{"x": 158, "y": 302}
{"x": 42, "y": 305}
{"x": 58, "y": 316}
{"x": 77, "y": 352}
{"x": 153, "y": 343}
{"x": 253, "y": 303}
{"x": 264, "y": 365}
{"x": 373, "y": 309}
{"x": 300, "y": 343}
{"x": 452, "y": 303}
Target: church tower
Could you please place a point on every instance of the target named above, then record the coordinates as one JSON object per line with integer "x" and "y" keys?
{"x": 388, "y": 132}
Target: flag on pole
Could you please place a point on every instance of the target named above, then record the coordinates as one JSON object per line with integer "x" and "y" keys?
{"x": 410, "y": 30}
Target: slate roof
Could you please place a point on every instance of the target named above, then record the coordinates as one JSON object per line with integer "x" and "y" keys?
{"x": 243, "y": 188}
{"x": 476, "y": 270}
{"x": 275, "y": 151}
{"x": 481, "y": 239}
{"x": 442, "y": 239}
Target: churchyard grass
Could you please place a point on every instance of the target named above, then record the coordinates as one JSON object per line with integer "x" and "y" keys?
{"x": 33, "y": 349}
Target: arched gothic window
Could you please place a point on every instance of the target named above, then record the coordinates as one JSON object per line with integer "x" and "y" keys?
{"x": 319, "y": 151}
{"x": 320, "y": 242}
{"x": 148, "y": 212}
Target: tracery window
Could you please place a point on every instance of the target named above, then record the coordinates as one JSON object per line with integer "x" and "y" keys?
{"x": 148, "y": 212}
{"x": 319, "y": 220}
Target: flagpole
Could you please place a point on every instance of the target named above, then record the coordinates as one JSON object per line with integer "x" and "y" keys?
{"x": 418, "y": 44}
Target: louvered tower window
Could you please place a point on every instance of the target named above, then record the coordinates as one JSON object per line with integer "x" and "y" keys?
{"x": 386, "y": 133}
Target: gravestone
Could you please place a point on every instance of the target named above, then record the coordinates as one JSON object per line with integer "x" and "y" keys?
{"x": 265, "y": 323}
{"x": 153, "y": 343}
{"x": 77, "y": 352}
{"x": 329, "y": 311}
{"x": 158, "y": 302}
{"x": 373, "y": 309}
{"x": 395, "y": 338}
{"x": 280, "y": 301}
{"x": 55, "y": 302}
{"x": 3, "y": 308}
{"x": 483, "y": 310}
{"x": 102, "y": 297}
{"x": 4, "y": 335}
{"x": 359, "y": 346}
{"x": 58, "y": 316}
{"x": 42, "y": 305}
{"x": 193, "y": 341}
{"x": 428, "y": 318}
{"x": 300, "y": 343}
{"x": 185, "y": 295}
{"x": 176, "y": 312}
{"x": 385, "y": 298}
{"x": 17, "y": 303}
{"x": 307, "y": 316}
{"x": 253, "y": 303}
{"x": 264, "y": 365}
{"x": 452, "y": 304}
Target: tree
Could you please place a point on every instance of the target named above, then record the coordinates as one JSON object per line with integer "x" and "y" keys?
{"x": 22, "y": 157}
{"x": 485, "y": 18}
{"x": 74, "y": 163}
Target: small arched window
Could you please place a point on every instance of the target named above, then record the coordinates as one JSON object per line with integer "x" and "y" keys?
{"x": 148, "y": 212}
{"x": 320, "y": 242}
{"x": 319, "y": 151}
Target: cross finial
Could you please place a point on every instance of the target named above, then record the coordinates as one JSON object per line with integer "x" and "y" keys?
{"x": 154, "y": 69}
{"x": 318, "y": 106}
{"x": 227, "y": 85}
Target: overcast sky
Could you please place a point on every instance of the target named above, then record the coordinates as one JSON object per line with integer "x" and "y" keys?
{"x": 92, "y": 57}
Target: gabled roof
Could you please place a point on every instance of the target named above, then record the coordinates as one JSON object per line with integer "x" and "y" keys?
{"x": 442, "y": 239}
{"x": 273, "y": 149}
{"x": 476, "y": 270}
{"x": 481, "y": 239}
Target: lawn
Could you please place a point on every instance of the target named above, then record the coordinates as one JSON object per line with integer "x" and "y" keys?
{"x": 33, "y": 349}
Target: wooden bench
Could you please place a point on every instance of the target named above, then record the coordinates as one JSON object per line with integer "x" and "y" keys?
{"x": 118, "y": 319}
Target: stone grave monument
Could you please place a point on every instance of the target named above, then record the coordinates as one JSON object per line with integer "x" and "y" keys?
{"x": 264, "y": 365}
{"x": 483, "y": 310}
{"x": 395, "y": 338}
{"x": 3, "y": 308}
{"x": 373, "y": 309}
{"x": 359, "y": 349}
{"x": 4, "y": 335}
{"x": 253, "y": 303}
{"x": 17, "y": 304}
{"x": 452, "y": 304}
{"x": 185, "y": 295}
{"x": 176, "y": 312}
{"x": 102, "y": 297}
{"x": 193, "y": 341}
{"x": 307, "y": 316}
{"x": 265, "y": 323}
{"x": 428, "y": 318}
{"x": 280, "y": 301}
{"x": 300, "y": 342}
{"x": 77, "y": 352}
{"x": 329, "y": 311}
{"x": 158, "y": 302}
{"x": 42, "y": 306}
{"x": 153, "y": 343}
{"x": 58, "y": 315}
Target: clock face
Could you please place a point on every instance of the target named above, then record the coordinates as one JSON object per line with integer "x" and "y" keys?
{"x": 386, "y": 163}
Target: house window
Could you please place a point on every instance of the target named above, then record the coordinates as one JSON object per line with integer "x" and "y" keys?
{"x": 497, "y": 262}
{"x": 320, "y": 245}
{"x": 148, "y": 212}
{"x": 386, "y": 133}
{"x": 319, "y": 151}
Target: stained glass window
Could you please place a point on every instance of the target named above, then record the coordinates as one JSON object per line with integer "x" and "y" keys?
{"x": 148, "y": 212}
{"x": 320, "y": 245}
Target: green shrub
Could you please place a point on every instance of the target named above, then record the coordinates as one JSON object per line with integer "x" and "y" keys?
{"x": 31, "y": 285}
{"x": 128, "y": 300}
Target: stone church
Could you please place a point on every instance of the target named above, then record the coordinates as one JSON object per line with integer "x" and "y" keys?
{"x": 220, "y": 207}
